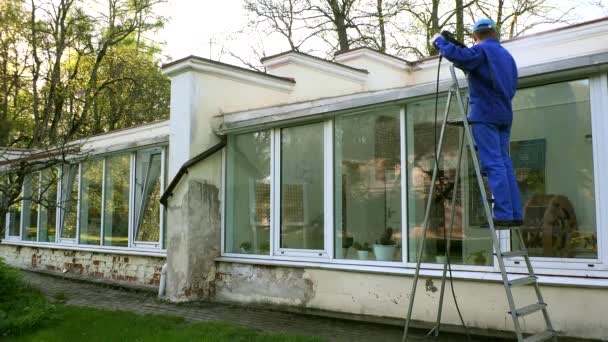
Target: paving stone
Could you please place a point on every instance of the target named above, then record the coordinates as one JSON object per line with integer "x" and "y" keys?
{"x": 95, "y": 296}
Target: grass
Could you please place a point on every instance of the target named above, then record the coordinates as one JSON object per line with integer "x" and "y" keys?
{"x": 91, "y": 325}
{"x": 26, "y": 315}
{"x": 21, "y": 307}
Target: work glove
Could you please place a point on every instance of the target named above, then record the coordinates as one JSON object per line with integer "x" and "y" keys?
{"x": 434, "y": 39}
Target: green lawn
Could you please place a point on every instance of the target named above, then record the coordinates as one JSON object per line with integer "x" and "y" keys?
{"x": 26, "y": 315}
{"x": 91, "y": 325}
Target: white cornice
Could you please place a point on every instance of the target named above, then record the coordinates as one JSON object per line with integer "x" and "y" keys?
{"x": 229, "y": 72}
{"x": 327, "y": 67}
{"x": 374, "y": 56}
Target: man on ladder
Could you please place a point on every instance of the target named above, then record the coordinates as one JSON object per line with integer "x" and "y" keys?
{"x": 492, "y": 76}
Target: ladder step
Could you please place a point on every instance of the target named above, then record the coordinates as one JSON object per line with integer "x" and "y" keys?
{"x": 543, "y": 336}
{"x": 456, "y": 122}
{"x": 506, "y": 228}
{"x": 522, "y": 281}
{"x": 514, "y": 254}
{"x": 530, "y": 309}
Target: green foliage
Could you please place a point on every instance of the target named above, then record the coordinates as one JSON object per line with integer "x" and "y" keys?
{"x": 21, "y": 307}
{"x": 362, "y": 247}
{"x": 91, "y": 325}
{"x": 386, "y": 238}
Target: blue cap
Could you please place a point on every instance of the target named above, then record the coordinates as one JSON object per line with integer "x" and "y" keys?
{"x": 484, "y": 24}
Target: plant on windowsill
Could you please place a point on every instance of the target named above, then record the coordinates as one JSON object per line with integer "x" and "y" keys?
{"x": 362, "y": 250}
{"x": 265, "y": 248}
{"x": 479, "y": 257}
{"x": 245, "y": 247}
{"x": 384, "y": 248}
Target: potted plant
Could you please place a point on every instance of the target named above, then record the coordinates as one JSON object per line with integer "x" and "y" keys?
{"x": 362, "y": 250}
{"x": 347, "y": 242}
{"x": 265, "y": 248}
{"x": 245, "y": 247}
{"x": 479, "y": 257}
{"x": 384, "y": 248}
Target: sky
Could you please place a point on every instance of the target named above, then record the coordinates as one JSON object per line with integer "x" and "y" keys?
{"x": 197, "y": 27}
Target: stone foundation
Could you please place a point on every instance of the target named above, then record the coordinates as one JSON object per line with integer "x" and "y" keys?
{"x": 129, "y": 270}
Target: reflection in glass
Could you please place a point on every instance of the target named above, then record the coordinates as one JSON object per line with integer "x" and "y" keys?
{"x": 470, "y": 244}
{"x": 147, "y": 197}
{"x": 31, "y": 199}
{"x": 48, "y": 205}
{"x": 368, "y": 186}
{"x": 302, "y": 184}
{"x": 69, "y": 201}
{"x": 552, "y": 152}
{"x": 248, "y": 193}
{"x": 90, "y": 202}
{"x": 116, "y": 206}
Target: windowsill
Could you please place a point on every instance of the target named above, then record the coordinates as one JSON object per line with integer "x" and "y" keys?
{"x": 72, "y": 247}
{"x": 435, "y": 273}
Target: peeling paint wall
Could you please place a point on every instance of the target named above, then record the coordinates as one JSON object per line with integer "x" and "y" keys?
{"x": 120, "y": 269}
{"x": 483, "y": 304}
{"x": 194, "y": 236}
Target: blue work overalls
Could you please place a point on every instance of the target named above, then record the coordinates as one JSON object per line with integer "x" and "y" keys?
{"x": 492, "y": 76}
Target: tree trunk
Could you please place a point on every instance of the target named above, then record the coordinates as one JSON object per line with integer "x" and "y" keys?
{"x": 340, "y": 23}
{"x": 382, "y": 46}
{"x": 459, "y": 20}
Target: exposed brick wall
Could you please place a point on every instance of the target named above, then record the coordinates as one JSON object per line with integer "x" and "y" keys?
{"x": 116, "y": 268}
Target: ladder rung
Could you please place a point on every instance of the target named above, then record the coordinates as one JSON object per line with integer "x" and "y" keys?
{"x": 506, "y": 228}
{"x": 514, "y": 254}
{"x": 522, "y": 281}
{"x": 456, "y": 122}
{"x": 543, "y": 336}
{"x": 530, "y": 309}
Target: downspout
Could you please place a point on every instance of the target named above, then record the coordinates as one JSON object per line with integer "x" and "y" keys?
{"x": 163, "y": 281}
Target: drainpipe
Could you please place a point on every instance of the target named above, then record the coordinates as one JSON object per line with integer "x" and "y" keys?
{"x": 163, "y": 281}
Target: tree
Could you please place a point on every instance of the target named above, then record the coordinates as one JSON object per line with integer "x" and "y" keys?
{"x": 60, "y": 66}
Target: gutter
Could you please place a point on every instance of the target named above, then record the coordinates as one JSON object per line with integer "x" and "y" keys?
{"x": 187, "y": 165}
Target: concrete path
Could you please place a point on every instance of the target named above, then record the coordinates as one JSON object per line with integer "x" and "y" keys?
{"x": 96, "y": 296}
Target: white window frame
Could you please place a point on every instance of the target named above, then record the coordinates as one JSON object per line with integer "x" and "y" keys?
{"x": 74, "y": 243}
{"x": 132, "y": 239}
{"x": 598, "y": 84}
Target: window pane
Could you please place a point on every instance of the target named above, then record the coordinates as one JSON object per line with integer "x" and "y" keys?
{"x": 368, "y": 186}
{"x": 31, "y": 198}
{"x": 116, "y": 214}
{"x": 248, "y": 194}
{"x": 147, "y": 196}
{"x": 48, "y": 205}
{"x": 552, "y": 155}
{"x": 3, "y": 198}
{"x": 90, "y": 202}
{"x": 470, "y": 244}
{"x": 69, "y": 201}
{"x": 302, "y": 184}
{"x": 14, "y": 214}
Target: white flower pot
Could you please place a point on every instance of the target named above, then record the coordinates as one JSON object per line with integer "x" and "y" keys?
{"x": 362, "y": 255}
{"x": 440, "y": 259}
{"x": 244, "y": 251}
{"x": 384, "y": 253}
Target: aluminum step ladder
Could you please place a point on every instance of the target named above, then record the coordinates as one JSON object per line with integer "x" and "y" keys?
{"x": 509, "y": 283}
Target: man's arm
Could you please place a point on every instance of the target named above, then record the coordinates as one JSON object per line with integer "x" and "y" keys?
{"x": 468, "y": 58}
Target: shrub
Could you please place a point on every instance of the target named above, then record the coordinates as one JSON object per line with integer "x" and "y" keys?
{"x": 21, "y": 306}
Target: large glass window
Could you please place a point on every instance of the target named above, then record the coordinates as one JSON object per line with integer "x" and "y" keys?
{"x": 31, "y": 199}
{"x": 116, "y": 201}
{"x": 69, "y": 201}
{"x": 147, "y": 196}
{"x": 248, "y": 194}
{"x": 302, "y": 185}
{"x": 90, "y": 202}
{"x": 552, "y": 153}
{"x": 48, "y": 205}
{"x": 367, "y": 182}
{"x": 470, "y": 244}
